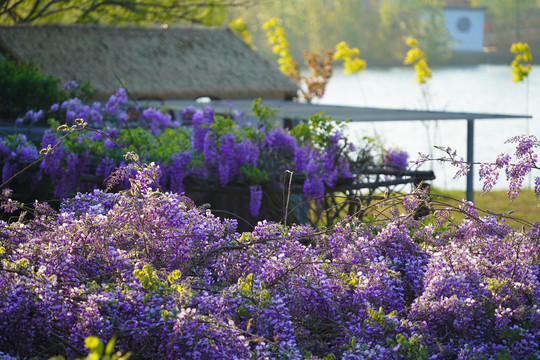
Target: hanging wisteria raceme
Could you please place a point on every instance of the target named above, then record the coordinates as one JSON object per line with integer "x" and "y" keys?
{"x": 17, "y": 153}
{"x": 178, "y": 170}
{"x": 255, "y": 198}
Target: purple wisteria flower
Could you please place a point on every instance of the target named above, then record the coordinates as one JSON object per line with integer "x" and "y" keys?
{"x": 314, "y": 184}
{"x": 123, "y": 117}
{"x": 171, "y": 280}
{"x": 71, "y": 85}
{"x": 226, "y": 164}
{"x": 396, "y": 159}
{"x": 247, "y": 152}
{"x": 178, "y": 170}
{"x": 105, "y": 167}
{"x": 95, "y": 114}
{"x": 255, "y": 198}
{"x": 301, "y": 158}
{"x": 200, "y": 121}
{"x": 116, "y": 101}
{"x": 157, "y": 120}
{"x": 34, "y": 116}
{"x": 525, "y": 161}
{"x": 278, "y": 139}
{"x": 517, "y": 171}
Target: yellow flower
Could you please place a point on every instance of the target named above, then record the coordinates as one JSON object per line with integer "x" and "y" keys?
{"x": 419, "y": 59}
{"x": 351, "y": 62}
{"x": 411, "y": 42}
{"x": 270, "y": 23}
{"x": 276, "y": 37}
{"x": 91, "y": 342}
{"x": 523, "y": 55}
{"x": 240, "y": 28}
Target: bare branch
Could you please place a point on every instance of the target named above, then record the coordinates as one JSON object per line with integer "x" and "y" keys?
{"x": 186, "y": 11}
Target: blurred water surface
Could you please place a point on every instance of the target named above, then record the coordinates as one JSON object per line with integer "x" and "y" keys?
{"x": 481, "y": 89}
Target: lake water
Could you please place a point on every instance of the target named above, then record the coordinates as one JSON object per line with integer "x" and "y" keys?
{"x": 480, "y": 89}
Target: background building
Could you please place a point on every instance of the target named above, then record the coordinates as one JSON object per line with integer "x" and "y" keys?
{"x": 466, "y": 26}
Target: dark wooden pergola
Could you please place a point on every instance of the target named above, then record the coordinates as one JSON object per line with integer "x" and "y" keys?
{"x": 295, "y": 111}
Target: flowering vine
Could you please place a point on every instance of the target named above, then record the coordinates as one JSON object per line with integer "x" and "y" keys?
{"x": 214, "y": 151}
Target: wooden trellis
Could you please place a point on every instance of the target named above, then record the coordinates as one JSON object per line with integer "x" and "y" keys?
{"x": 348, "y": 198}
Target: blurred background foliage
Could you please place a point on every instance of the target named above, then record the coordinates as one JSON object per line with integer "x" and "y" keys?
{"x": 376, "y": 27}
{"x": 379, "y": 27}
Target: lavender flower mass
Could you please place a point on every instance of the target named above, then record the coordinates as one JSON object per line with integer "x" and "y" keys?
{"x": 169, "y": 280}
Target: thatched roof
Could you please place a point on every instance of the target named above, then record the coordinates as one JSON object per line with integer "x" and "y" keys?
{"x": 156, "y": 63}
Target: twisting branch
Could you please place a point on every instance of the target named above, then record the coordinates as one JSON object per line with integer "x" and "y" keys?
{"x": 187, "y": 11}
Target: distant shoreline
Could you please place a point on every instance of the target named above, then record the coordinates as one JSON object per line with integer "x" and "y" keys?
{"x": 464, "y": 59}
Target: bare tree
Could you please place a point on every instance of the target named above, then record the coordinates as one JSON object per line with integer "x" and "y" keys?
{"x": 207, "y": 12}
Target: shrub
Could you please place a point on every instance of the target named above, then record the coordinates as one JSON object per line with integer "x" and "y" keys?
{"x": 25, "y": 92}
{"x": 23, "y": 88}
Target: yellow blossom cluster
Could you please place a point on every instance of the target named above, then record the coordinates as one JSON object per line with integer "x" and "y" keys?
{"x": 523, "y": 55}
{"x": 240, "y": 28}
{"x": 280, "y": 46}
{"x": 351, "y": 61}
{"x": 419, "y": 59}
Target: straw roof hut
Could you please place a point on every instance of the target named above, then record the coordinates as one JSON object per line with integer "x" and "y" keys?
{"x": 155, "y": 63}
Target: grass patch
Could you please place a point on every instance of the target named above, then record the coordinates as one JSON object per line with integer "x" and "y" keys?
{"x": 524, "y": 207}
{"x": 523, "y": 211}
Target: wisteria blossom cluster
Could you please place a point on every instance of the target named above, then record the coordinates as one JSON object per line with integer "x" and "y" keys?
{"x": 169, "y": 280}
{"x": 515, "y": 168}
{"x": 395, "y": 159}
{"x": 17, "y": 152}
{"x": 215, "y": 150}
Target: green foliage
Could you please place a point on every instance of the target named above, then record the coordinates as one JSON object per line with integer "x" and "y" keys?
{"x": 97, "y": 350}
{"x": 150, "y": 280}
{"x": 253, "y": 175}
{"x": 13, "y": 141}
{"x": 83, "y": 142}
{"x": 380, "y": 318}
{"x": 265, "y": 114}
{"x": 225, "y": 125}
{"x": 256, "y": 294}
{"x": 410, "y": 348}
{"x": 318, "y": 130}
{"x": 351, "y": 280}
{"x": 155, "y": 148}
{"x": 23, "y": 88}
